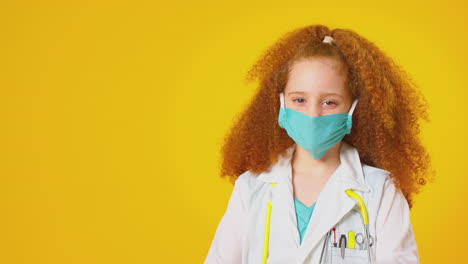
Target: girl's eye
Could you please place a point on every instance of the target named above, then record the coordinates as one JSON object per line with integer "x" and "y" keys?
{"x": 328, "y": 102}
{"x": 299, "y": 99}
{"x": 302, "y": 101}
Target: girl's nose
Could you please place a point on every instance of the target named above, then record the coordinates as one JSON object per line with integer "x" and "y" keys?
{"x": 314, "y": 112}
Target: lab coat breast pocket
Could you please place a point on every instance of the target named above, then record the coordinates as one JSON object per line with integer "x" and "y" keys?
{"x": 351, "y": 256}
{"x": 350, "y": 225}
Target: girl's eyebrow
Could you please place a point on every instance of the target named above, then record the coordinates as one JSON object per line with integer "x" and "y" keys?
{"x": 332, "y": 94}
{"x": 301, "y": 92}
{"x": 296, "y": 92}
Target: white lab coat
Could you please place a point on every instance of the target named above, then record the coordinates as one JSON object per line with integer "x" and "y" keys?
{"x": 239, "y": 237}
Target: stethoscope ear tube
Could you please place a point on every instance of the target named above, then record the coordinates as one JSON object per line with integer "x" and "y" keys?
{"x": 366, "y": 228}
{"x": 266, "y": 239}
{"x": 362, "y": 206}
{"x": 324, "y": 245}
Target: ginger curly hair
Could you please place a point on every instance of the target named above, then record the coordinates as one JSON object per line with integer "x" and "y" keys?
{"x": 385, "y": 127}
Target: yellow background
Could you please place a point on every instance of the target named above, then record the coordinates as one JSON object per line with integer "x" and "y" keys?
{"x": 112, "y": 115}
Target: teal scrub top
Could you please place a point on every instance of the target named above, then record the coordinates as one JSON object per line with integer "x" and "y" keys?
{"x": 303, "y": 214}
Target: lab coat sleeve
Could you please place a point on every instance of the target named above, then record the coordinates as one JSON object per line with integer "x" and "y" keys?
{"x": 395, "y": 242}
{"x": 226, "y": 246}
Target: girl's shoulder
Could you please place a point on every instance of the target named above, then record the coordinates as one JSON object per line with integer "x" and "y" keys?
{"x": 248, "y": 181}
{"x": 376, "y": 177}
{"x": 367, "y": 169}
{"x": 380, "y": 182}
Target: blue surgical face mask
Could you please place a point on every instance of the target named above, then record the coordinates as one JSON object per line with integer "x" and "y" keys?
{"x": 315, "y": 134}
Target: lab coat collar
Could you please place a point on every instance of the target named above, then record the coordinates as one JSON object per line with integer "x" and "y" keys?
{"x": 332, "y": 204}
{"x": 350, "y": 164}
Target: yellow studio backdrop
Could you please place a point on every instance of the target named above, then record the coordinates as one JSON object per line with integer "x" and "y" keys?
{"x": 113, "y": 113}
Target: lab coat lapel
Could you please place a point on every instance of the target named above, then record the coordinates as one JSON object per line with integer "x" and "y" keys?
{"x": 333, "y": 203}
{"x": 283, "y": 207}
{"x": 331, "y": 206}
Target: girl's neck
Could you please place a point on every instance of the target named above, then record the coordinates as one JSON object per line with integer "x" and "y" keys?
{"x": 304, "y": 165}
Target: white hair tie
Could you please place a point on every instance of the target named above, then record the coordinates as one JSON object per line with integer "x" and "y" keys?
{"x": 328, "y": 39}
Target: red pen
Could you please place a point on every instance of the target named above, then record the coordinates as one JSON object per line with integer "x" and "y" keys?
{"x": 334, "y": 238}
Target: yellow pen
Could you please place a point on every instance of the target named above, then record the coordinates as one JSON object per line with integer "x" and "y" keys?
{"x": 351, "y": 239}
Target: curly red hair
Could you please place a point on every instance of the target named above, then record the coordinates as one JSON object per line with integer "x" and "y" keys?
{"x": 385, "y": 127}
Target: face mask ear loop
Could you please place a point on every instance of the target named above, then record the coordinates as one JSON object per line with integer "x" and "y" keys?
{"x": 281, "y": 100}
{"x": 353, "y": 106}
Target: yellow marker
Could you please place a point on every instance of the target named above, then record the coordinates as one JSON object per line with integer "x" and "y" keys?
{"x": 351, "y": 239}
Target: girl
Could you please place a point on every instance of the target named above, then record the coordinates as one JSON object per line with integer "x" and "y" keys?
{"x": 326, "y": 159}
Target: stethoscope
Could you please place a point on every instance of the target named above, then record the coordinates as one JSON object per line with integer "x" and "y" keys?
{"x": 365, "y": 220}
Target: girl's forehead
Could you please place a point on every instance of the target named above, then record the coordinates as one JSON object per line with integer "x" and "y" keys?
{"x": 316, "y": 76}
